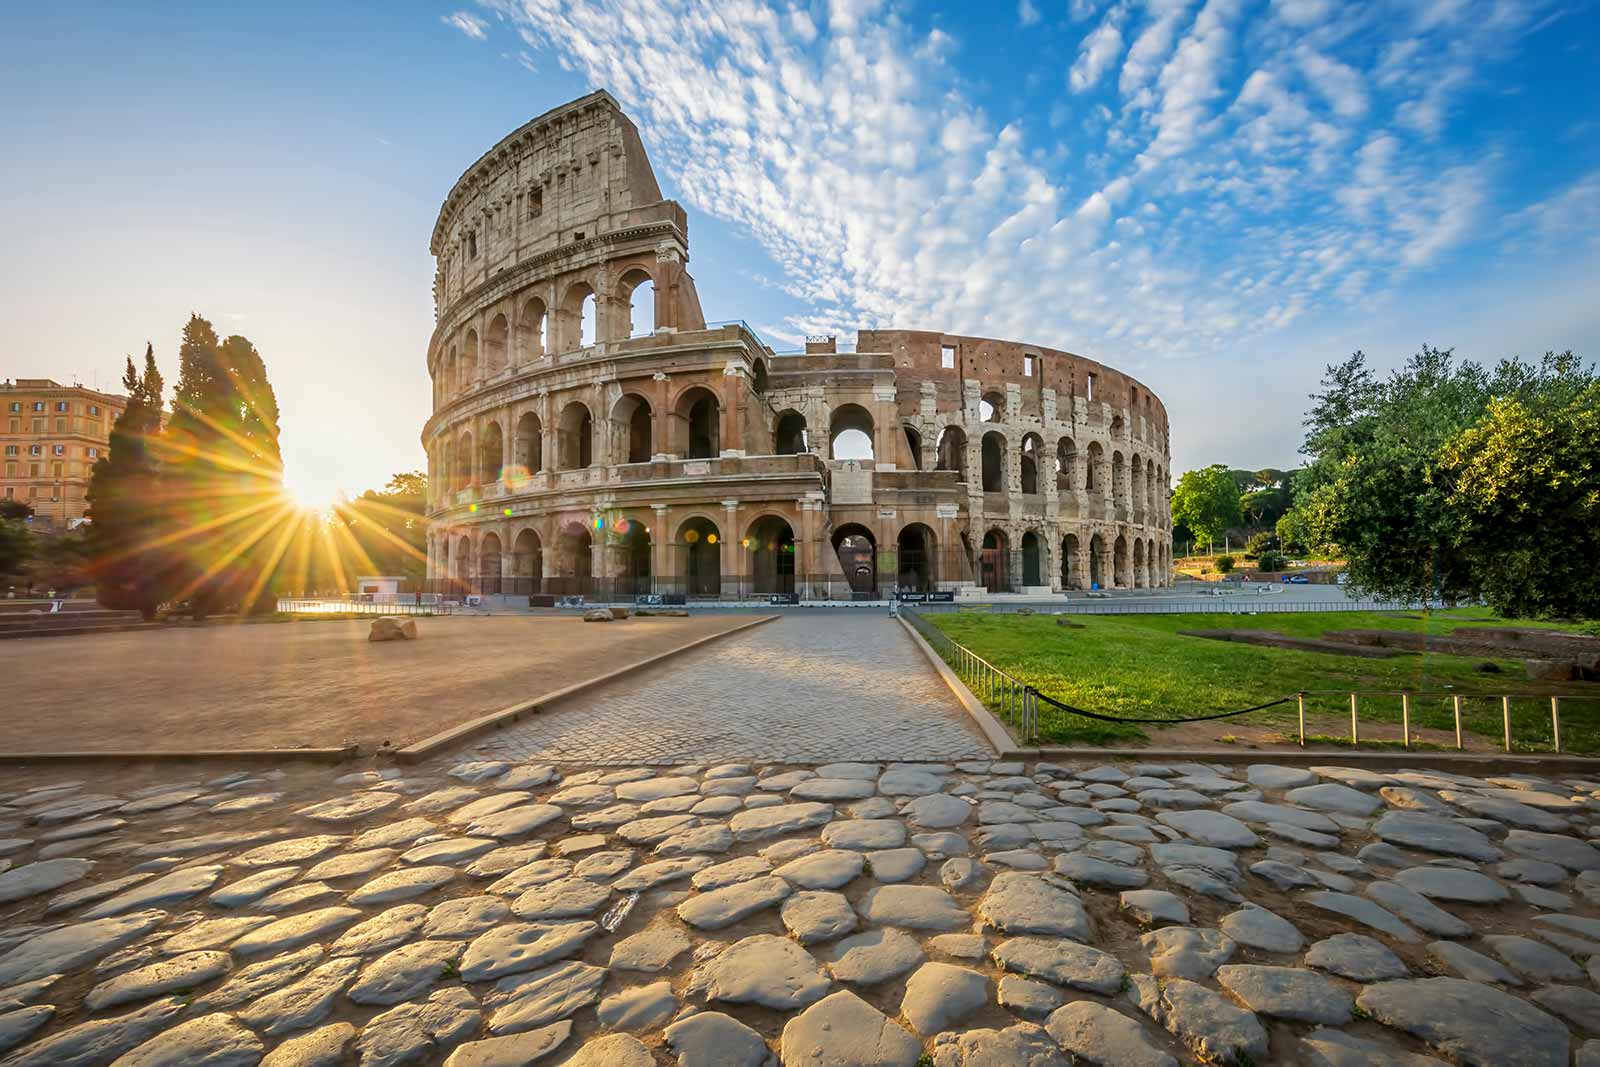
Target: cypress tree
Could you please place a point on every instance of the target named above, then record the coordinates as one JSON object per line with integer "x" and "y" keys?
{"x": 125, "y": 559}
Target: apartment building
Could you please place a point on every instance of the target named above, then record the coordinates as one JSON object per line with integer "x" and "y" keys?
{"x": 50, "y": 437}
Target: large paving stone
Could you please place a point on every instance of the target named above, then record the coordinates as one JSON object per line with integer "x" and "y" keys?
{"x": 726, "y": 906}
{"x": 32, "y": 879}
{"x": 99, "y": 1041}
{"x": 1412, "y": 907}
{"x": 19, "y": 1024}
{"x": 544, "y": 996}
{"x": 512, "y": 1050}
{"x": 939, "y": 995}
{"x": 1214, "y": 1029}
{"x": 764, "y": 969}
{"x": 322, "y": 1047}
{"x": 302, "y": 1003}
{"x": 827, "y": 869}
{"x": 1211, "y": 828}
{"x": 1018, "y": 903}
{"x": 1510, "y": 812}
{"x": 1533, "y": 958}
{"x": 758, "y": 824}
{"x": 1357, "y": 957}
{"x": 69, "y": 947}
{"x": 641, "y": 1007}
{"x": 564, "y": 898}
{"x": 1063, "y": 962}
{"x": 407, "y": 972}
{"x": 1287, "y": 993}
{"x": 1153, "y": 906}
{"x": 1090, "y": 870}
{"x": 909, "y": 782}
{"x": 843, "y": 1030}
{"x": 215, "y": 1040}
{"x": 382, "y": 932}
{"x": 712, "y": 1039}
{"x": 1334, "y": 1048}
{"x": 1257, "y": 928}
{"x": 1104, "y": 1037}
{"x": 937, "y": 811}
{"x": 1331, "y": 796}
{"x": 1362, "y": 911}
{"x": 864, "y": 835}
{"x": 294, "y": 931}
{"x": 1465, "y": 963}
{"x": 1261, "y": 812}
{"x": 1187, "y": 951}
{"x": 1434, "y": 834}
{"x": 515, "y": 947}
{"x": 817, "y": 915}
{"x": 408, "y": 1033}
{"x": 253, "y": 981}
{"x": 1448, "y": 883}
{"x": 1470, "y": 1023}
{"x": 402, "y": 885}
{"x": 915, "y": 907}
{"x": 1569, "y": 852}
{"x": 168, "y": 889}
{"x": 1273, "y": 776}
{"x": 873, "y": 956}
{"x": 165, "y": 976}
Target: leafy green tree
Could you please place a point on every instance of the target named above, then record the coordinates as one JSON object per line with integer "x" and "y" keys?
{"x": 223, "y": 476}
{"x": 16, "y": 545}
{"x": 14, "y": 509}
{"x": 123, "y": 556}
{"x": 389, "y": 525}
{"x": 1225, "y": 564}
{"x": 1525, "y": 483}
{"x": 1207, "y": 502}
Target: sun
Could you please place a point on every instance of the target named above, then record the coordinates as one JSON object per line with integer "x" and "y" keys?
{"x": 307, "y": 497}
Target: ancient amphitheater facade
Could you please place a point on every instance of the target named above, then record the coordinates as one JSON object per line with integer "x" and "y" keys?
{"x": 592, "y": 433}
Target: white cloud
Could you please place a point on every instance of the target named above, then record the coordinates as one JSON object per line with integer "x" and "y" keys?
{"x": 1027, "y": 13}
{"x": 1569, "y": 217}
{"x": 1152, "y": 44}
{"x": 1337, "y": 83}
{"x": 1098, "y": 51}
{"x": 467, "y": 23}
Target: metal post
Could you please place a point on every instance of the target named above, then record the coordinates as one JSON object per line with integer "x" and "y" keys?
{"x": 1555, "y": 720}
{"x": 1505, "y": 708}
{"x": 1302, "y": 700}
{"x": 1458, "y": 721}
{"x": 1355, "y": 733}
{"x": 1405, "y": 718}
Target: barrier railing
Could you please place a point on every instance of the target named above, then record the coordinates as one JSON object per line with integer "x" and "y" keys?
{"x": 355, "y": 606}
{"x": 1019, "y": 703}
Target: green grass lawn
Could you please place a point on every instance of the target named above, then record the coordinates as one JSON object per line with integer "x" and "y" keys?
{"x": 1139, "y": 666}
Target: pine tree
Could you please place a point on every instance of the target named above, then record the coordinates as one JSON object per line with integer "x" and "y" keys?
{"x": 223, "y": 474}
{"x": 125, "y": 559}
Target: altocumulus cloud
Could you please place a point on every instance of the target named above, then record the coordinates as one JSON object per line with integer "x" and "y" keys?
{"x": 1223, "y": 167}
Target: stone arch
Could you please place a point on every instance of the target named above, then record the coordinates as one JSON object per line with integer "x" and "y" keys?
{"x": 701, "y": 565}
{"x": 1119, "y": 562}
{"x": 631, "y": 557}
{"x": 1150, "y": 491}
{"x": 636, "y": 291}
{"x": 461, "y": 559}
{"x": 575, "y": 321}
{"x": 994, "y": 462}
{"x": 1119, "y": 480}
{"x": 992, "y": 407}
{"x": 917, "y": 558}
{"x": 1070, "y": 578}
{"x": 1097, "y": 561}
{"x": 1094, "y": 475}
{"x": 1136, "y": 484}
{"x": 953, "y": 451}
{"x": 532, "y": 325}
{"x": 1140, "y": 575}
{"x": 1066, "y": 464}
{"x": 857, "y": 549}
{"x": 464, "y": 456}
{"x": 469, "y": 360}
{"x": 850, "y": 433}
{"x": 492, "y": 464}
{"x": 495, "y": 346}
{"x": 1032, "y": 447}
{"x": 769, "y": 554}
{"x": 575, "y": 437}
{"x": 697, "y": 424}
{"x": 790, "y": 436}
{"x": 913, "y": 445}
{"x": 1032, "y": 559}
{"x": 527, "y": 559}
{"x": 527, "y": 447}
{"x": 994, "y": 561}
{"x": 452, "y": 372}
{"x": 758, "y": 377}
{"x": 574, "y": 559}
{"x": 489, "y": 563}
{"x": 632, "y": 429}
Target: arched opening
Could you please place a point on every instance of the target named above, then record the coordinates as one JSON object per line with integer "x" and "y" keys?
{"x": 791, "y": 438}
{"x": 697, "y": 425}
{"x": 914, "y": 447}
{"x": 464, "y": 456}
{"x": 850, "y": 432}
{"x": 1139, "y": 579}
{"x": 574, "y": 561}
{"x": 992, "y": 408}
{"x": 915, "y": 547}
{"x": 1136, "y": 484}
{"x": 1097, "y": 562}
{"x": 1116, "y": 426}
{"x": 1031, "y": 447}
{"x": 858, "y": 558}
{"x": 1119, "y": 481}
{"x": 1032, "y": 562}
{"x": 1070, "y": 579}
{"x": 994, "y": 561}
{"x": 588, "y": 321}
{"x": 1066, "y": 463}
{"x": 469, "y": 361}
{"x": 461, "y": 560}
{"x": 1093, "y": 475}
{"x": 489, "y": 564}
{"x": 769, "y": 555}
{"x": 953, "y": 451}
{"x": 576, "y": 321}
{"x": 575, "y": 437}
{"x": 528, "y": 449}
{"x": 994, "y": 463}
{"x": 1119, "y": 563}
{"x": 452, "y": 374}
{"x": 639, "y": 291}
{"x": 531, "y": 325}
{"x": 702, "y": 557}
{"x": 494, "y": 454}
{"x": 527, "y": 562}
{"x": 631, "y": 552}
{"x": 1150, "y": 489}
{"x": 632, "y": 429}
{"x": 758, "y": 377}
{"x": 494, "y": 346}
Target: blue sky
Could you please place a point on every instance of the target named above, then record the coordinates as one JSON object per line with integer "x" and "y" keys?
{"x": 1220, "y": 196}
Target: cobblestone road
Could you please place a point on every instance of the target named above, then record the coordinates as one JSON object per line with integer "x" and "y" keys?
{"x": 807, "y": 688}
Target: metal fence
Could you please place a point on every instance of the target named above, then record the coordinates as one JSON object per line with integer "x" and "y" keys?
{"x": 1013, "y": 700}
{"x": 1238, "y": 604}
{"x": 355, "y": 605}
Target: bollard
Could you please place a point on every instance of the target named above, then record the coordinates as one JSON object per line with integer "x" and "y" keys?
{"x": 1457, "y": 699}
{"x": 1405, "y": 719}
{"x": 1302, "y": 700}
{"x": 1355, "y": 733}
{"x": 1555, "y": 721}
{"x": 1505, "y": 708}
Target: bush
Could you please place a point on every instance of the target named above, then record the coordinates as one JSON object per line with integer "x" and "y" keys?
{"x": 1225, "y": 564}
{"x": 1259, "y": 543}
{"x": 1272, "y": 561}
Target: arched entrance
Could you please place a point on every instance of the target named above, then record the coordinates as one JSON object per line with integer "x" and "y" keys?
{"x": 790, "y": 437}
{"x": 701, "y": 555}
{"x": 850, "y": 433}
{"x": 574, "y": 561}
{"x": 1119, "y": 563}
{"x": 1031, "y": 447}
{"x": 494, "y": 453}
{"x": 527, "y": 563}
{"x": 953, "y": 451}
{"x": 1139, "y": 573}
{"x": 994, "y": 463}
{"x": 631, "y": 429}
{"x": 576, "y": 437}
{"x": 993, "y": 562}
{"x": 461, "y": 561}
{"x": 1097, "y": 562}
{"x": 489, "y": 564}
{"x": 630, "y": 564}
{"x": 528, "y": 449}
{"x": 1032, "y": 559}
{"x": 769, "y": 555}
{"x": 858, "y": 558}
{"x": 696, "y": 425}
{"x": 1069, "y": 562}
{"x": 916, "y": 570}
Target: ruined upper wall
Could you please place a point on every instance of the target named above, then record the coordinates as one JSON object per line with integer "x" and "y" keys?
{"x": 574, "y": 173}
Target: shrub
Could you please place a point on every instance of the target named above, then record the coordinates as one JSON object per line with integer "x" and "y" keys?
{"x": 1272, "y": 561}
{"x": 1225, "y": 564}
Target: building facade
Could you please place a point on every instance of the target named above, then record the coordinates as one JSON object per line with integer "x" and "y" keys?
{"x": 51, "y": 435}
{"x": 592, "y": 433}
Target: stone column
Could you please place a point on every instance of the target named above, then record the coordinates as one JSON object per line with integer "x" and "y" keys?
{"x": 729, "y": 557}
{"x": 660, "y": 537}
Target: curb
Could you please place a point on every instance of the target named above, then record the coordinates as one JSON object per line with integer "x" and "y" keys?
{"x": 1319, "y": 757}
{"x": 994, "y": 732}
{"x": 317, "y": 755}
{"x": 428, "y": 746}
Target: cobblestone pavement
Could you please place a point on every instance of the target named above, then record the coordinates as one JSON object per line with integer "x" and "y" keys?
{"x": 963, "y": 914}
{"x": 808, "y": 688}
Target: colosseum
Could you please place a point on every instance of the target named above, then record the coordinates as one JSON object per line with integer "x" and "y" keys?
{"x": 593, "y": 434}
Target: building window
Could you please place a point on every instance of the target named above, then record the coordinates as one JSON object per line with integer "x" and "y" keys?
{"x": 472, "y": 246}
{"x": 1027, "y": 366}
{"x": 94, "y": 453}
{"x": 16, "y": 425}
{"x": 577, "y": 235}
{"x": 38, "y": 426}
{"x": 55, "y": 472}
{"x": 11, "y": 470}
{"x": 11, "y": 492}
{"x": 35, "y": 450}
{"x": 38, "y": 405}
{"x": 16, "y": 406}
{"x": 11, "y": 450}
{"x": 536, "y": 203}
{"x": 62, "y": 405}
{"x": 947, "y": 357}
{"x": 94, "y": 410}
{"x": 60, "y": 450}
{"x": 61, "y": 426}
{"x": 1091, "y": 387}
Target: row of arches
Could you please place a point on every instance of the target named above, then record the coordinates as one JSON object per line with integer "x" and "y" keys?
{"x": 532, "y": 329}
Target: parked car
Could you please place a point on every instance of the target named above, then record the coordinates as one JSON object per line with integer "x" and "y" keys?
{"x": 1296, "y": 579}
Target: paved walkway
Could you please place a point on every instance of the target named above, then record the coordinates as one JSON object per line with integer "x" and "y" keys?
{"x": 810, "y": 687}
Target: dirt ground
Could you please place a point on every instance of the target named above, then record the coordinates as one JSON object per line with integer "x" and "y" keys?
{"x": 304, "y": 684}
